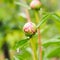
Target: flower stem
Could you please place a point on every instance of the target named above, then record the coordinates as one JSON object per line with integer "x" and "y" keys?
{"x": 39, "y": 36}
{"x": 27, "y": 14}
{"x": 31, "y": 40}
{"x": 33, "y": 49}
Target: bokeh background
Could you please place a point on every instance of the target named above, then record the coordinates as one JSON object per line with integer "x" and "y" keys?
{"x": 12, "y": 20}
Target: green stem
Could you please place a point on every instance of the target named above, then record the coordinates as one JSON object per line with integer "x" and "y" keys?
{"x": 39, "y": 36}
{"x": 32, "y": 42}
{"x": 36, "y": 16}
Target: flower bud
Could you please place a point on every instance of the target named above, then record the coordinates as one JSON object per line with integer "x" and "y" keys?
{"x": 35, "y": 4}
{"x": 29, "y": 28}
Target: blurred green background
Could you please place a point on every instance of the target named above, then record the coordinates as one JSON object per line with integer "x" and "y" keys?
{"x": 12, "y": 20}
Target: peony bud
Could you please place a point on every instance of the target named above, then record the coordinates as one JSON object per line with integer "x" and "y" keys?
{"x": 29, "y": 28}
{"x": 35, "y": 4}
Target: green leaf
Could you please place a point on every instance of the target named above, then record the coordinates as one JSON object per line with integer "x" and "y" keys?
{"x": 23, "y": 55}
{"x": 43, "y": 19}
{"x": 47, "y": 43}
{"x": 22, "y": 4}
{"x": 56, "y": 17}
{"x": 54, "y": 53}
{"x": 21, "y": 43}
